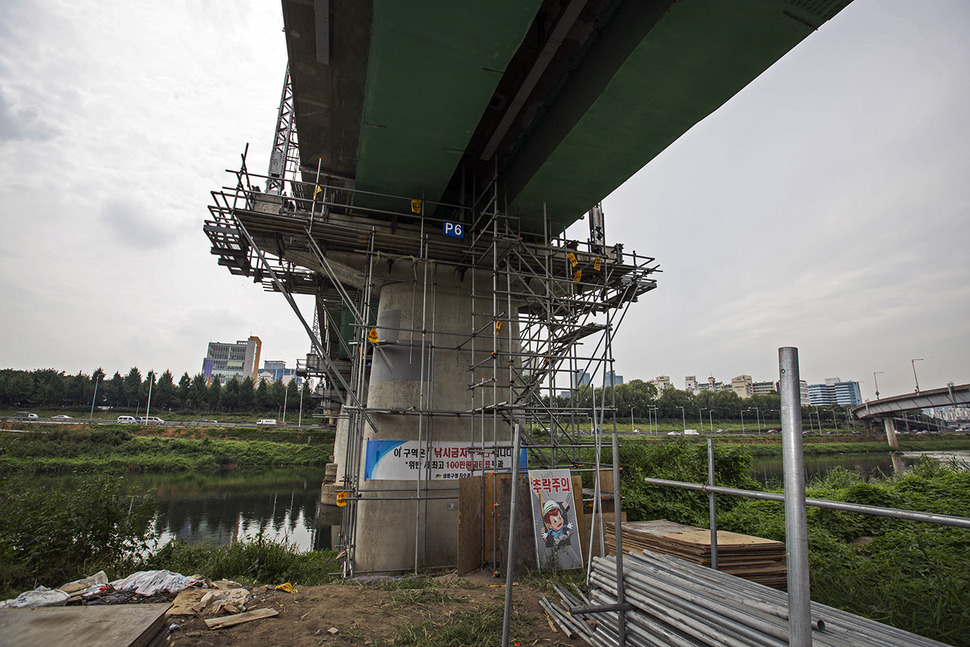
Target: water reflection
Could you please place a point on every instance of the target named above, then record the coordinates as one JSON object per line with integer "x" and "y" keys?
{"x": 280, "y": 505}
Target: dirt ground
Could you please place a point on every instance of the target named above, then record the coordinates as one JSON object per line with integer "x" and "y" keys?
{"x": 350, "y": 613}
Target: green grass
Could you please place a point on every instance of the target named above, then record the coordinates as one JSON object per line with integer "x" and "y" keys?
{"x": 117, "y": 450}
{"x": 911, "y": 575}
{"x": 466, "y": 628}
{"x": 255, "y": 562}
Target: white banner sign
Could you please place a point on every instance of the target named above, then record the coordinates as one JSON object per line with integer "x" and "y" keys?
{"x": 410, "y": 459}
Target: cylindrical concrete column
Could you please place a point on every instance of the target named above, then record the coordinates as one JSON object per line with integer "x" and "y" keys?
{"x": 404, "y": 523}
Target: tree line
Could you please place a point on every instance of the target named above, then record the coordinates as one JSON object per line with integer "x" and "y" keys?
{"x": 51, "y": 389}
{"x": 641, "y": 400}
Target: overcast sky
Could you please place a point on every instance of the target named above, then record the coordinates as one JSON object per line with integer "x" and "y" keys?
{"x": 826, "y": 206}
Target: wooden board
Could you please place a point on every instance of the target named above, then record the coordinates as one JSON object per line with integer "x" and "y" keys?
{"x": 122, "y": 625}
{"x": 753, "y": 558}
{"x": 469, "y": 525}
{"x": 239, "y": 618}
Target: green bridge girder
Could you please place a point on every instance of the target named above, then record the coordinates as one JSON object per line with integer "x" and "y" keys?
{"x": 561, "y": 100}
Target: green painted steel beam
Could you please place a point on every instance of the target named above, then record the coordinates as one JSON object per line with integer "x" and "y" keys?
{"x": 432, "y": 68}
{"x": 696, "y": 56}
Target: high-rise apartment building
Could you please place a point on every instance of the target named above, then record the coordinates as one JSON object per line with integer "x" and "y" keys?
{"x": 226, "y": 360}
{"x": 762, "y": 388}
{"x": 742, "y": 385}
{"x": 835, "y": 391}
{"x": 661, "y": 382}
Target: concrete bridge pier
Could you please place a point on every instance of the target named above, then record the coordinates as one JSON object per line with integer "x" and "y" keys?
{"x": 431, "y": 328}
{"x": 890, "y": 425}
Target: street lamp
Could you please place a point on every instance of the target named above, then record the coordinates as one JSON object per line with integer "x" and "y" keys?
{"x": 683, "y": 417}
{"x": 656, "y": 423}
{"x": 913, "y": 362}
{"x": 286, "y": 392}
{"x": 876, "y": 382}
{"x": 95, "y": 398}
{"x": 710, "y": 417}
{"x": 151, "y": 380}
{"x": 757, "y": 415}
{"x": 742, "y": 421}
{"x": 299, "y": 422}
{"x": 631, "y": 417}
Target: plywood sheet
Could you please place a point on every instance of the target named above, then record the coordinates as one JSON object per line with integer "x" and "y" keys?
{"x": 123, "y": 625}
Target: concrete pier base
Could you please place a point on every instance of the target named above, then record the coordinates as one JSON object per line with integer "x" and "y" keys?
{"x": 407, "y": 515}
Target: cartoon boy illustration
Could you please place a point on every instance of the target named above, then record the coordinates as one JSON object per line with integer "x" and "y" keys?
{"x": 557, "y": 531}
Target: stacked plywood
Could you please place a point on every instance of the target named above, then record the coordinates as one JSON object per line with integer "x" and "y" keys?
{"x": 753, "y": 558}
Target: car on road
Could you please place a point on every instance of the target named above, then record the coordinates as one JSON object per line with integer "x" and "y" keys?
{"x": 26, "y": 415}
{"x": 691, "y": 432}
{"x": 266, "y": 422}
{"x": 127, "y": 420}
{"x": 673, "y": 433}
{"x": 150, "y": 420}
{"x": 62, "y": 417}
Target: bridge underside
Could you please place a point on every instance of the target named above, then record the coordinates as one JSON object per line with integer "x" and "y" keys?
{"x": 560, "y": 100}
{"x": 947, "y": 396}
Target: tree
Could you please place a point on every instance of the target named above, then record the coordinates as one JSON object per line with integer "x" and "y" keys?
{"x": 197, "y": 393}
{"x": 276, "y": 396}
{"x": 247, "y": 395}
{"x": 230, "y": 394}
{"x": 261, "y": 400}
{"x": 48, "y": 388}
{"x": 166, "y": 393}
{"x": 114, "y": 394}
{"x": 214, "y": 396}
{"x": 185, "y": 383}
{"x": 672, "y": 399}
{"x": 132, "y": 387}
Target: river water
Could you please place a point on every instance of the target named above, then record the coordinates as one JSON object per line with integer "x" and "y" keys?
{"x": 282, "y": 505}
{"x": 241, "y": 505}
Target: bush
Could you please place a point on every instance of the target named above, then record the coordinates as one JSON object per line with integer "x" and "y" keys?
{"x": 52, "y": 535}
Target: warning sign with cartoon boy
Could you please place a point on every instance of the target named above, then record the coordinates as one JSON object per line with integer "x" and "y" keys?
{"x": 556, "y": 530}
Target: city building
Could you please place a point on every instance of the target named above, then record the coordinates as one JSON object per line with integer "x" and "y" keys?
{"x": 227, "y": 360}
{"x": 690, "y": 384}
{"x": 742, "y": 385}
{"x": 276, "y": 371}
{"x": 661, "y": 382}
{"x": 763, "y": 388}
{"x": 711, "y": 385}
{"x": 612, "y": 379}
{"x": 581, "y": 378}
{"x": 834, "y": 391}
{"x": 803, "y": 393}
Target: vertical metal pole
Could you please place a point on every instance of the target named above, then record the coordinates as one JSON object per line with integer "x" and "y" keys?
{"x": 95, "y": 398}
{"x": 712, "y": 502}
{"x": 510, "y": 556}
{"x": 618, "y": 538}
{"x": 796, "y": 526}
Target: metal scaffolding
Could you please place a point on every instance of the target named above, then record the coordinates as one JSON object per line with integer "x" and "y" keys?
{"x": 544, "y": 310}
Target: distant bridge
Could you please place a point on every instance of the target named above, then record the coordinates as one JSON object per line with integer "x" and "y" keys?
{"x": 885, "y": 409}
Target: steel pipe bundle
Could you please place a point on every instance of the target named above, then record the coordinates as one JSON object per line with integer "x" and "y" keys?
{"x": 683, "y": 604}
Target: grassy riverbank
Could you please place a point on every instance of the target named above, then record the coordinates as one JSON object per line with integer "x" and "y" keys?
{"x": 911, "y": 575}
{"x": 116, "y": 449}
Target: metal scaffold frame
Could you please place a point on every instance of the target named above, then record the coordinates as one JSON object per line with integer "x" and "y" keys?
{"x": 544, "y": 309}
